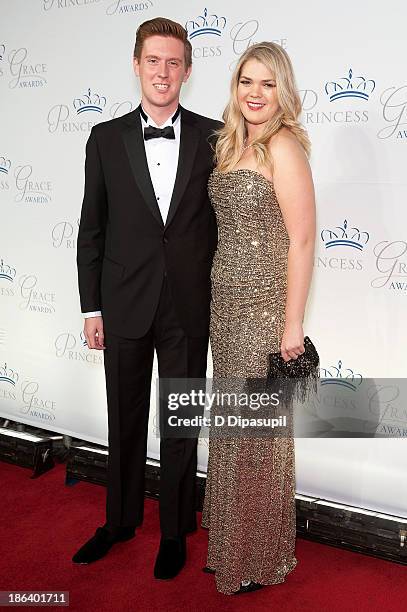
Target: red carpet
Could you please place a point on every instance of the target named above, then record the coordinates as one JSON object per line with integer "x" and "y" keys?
{"x": 43, "y": 522}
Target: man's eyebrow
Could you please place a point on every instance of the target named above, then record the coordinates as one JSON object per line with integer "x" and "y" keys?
{"x": 170, "y": 59}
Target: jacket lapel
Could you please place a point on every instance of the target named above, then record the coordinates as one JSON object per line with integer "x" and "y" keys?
{"x": 187, "y": 151}
{"x": 134, "y": 143}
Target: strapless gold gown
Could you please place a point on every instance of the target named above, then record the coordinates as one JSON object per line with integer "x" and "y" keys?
{"x": 250, "y": 491}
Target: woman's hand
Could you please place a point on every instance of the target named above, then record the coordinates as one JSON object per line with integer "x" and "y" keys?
{"x": 292, "y": 343}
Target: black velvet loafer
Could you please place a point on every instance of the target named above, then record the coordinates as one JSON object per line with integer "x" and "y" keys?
{"x": 171, "y": 558}
{"x": 100, "y": 544}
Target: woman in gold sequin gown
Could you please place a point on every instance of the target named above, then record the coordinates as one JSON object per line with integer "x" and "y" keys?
{"x": 263, "y": 196}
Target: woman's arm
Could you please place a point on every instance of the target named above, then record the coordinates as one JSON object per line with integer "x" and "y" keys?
{"x": 295, "y": 193}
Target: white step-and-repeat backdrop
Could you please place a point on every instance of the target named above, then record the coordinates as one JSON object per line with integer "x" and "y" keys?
{"x": 65, "y": 65}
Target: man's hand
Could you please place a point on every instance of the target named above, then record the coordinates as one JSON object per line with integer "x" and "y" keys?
{"x": 93, "y": 331}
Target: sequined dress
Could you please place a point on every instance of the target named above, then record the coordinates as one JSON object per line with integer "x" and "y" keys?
{"x": 250, "y": 492}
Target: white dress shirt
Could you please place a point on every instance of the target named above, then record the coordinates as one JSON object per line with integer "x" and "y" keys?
{"x": 162, "y": 160}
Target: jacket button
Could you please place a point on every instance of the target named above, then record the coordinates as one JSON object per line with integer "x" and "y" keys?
{"x": 165, "y": 240}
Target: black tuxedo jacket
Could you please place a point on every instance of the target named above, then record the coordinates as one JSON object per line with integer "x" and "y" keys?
{"x": 124, "y": 249}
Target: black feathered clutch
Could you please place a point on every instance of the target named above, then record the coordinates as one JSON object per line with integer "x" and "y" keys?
{"x": 295, "y": 378}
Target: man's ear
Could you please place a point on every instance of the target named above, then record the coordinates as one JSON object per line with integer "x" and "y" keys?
{"x": 187, "y": 74}
{"x": 136, "y": 66}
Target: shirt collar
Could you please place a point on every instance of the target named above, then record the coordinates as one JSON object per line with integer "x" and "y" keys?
{"x": 173, "y": 120}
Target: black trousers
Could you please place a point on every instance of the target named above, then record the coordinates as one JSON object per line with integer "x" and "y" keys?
{"x": 128, "y": 369}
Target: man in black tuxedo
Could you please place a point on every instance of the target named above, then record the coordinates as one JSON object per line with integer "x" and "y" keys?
{"x": 145, "y": 246}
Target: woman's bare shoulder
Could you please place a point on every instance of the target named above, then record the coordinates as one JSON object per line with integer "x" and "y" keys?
{"x": 285, "y": 144}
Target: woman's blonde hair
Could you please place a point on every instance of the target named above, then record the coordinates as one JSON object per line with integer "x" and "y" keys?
{"x": 232, "y": 135}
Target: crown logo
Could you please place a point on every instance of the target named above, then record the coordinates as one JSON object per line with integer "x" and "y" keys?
{"x": 336, "y": 375}
{"x": 4, "y": 165}
{"x": 6, "y": 271}
{"x": 8, "y": 375}
{"x": 345, "y": 236}
{"x": 89, "y": 102}
{"x": 350, "y": 87}
{"x": 2, "y": 51}
{"x": 205, "y": 24}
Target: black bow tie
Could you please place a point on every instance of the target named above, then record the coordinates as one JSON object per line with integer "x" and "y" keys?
{"x": 153, "y": 132}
